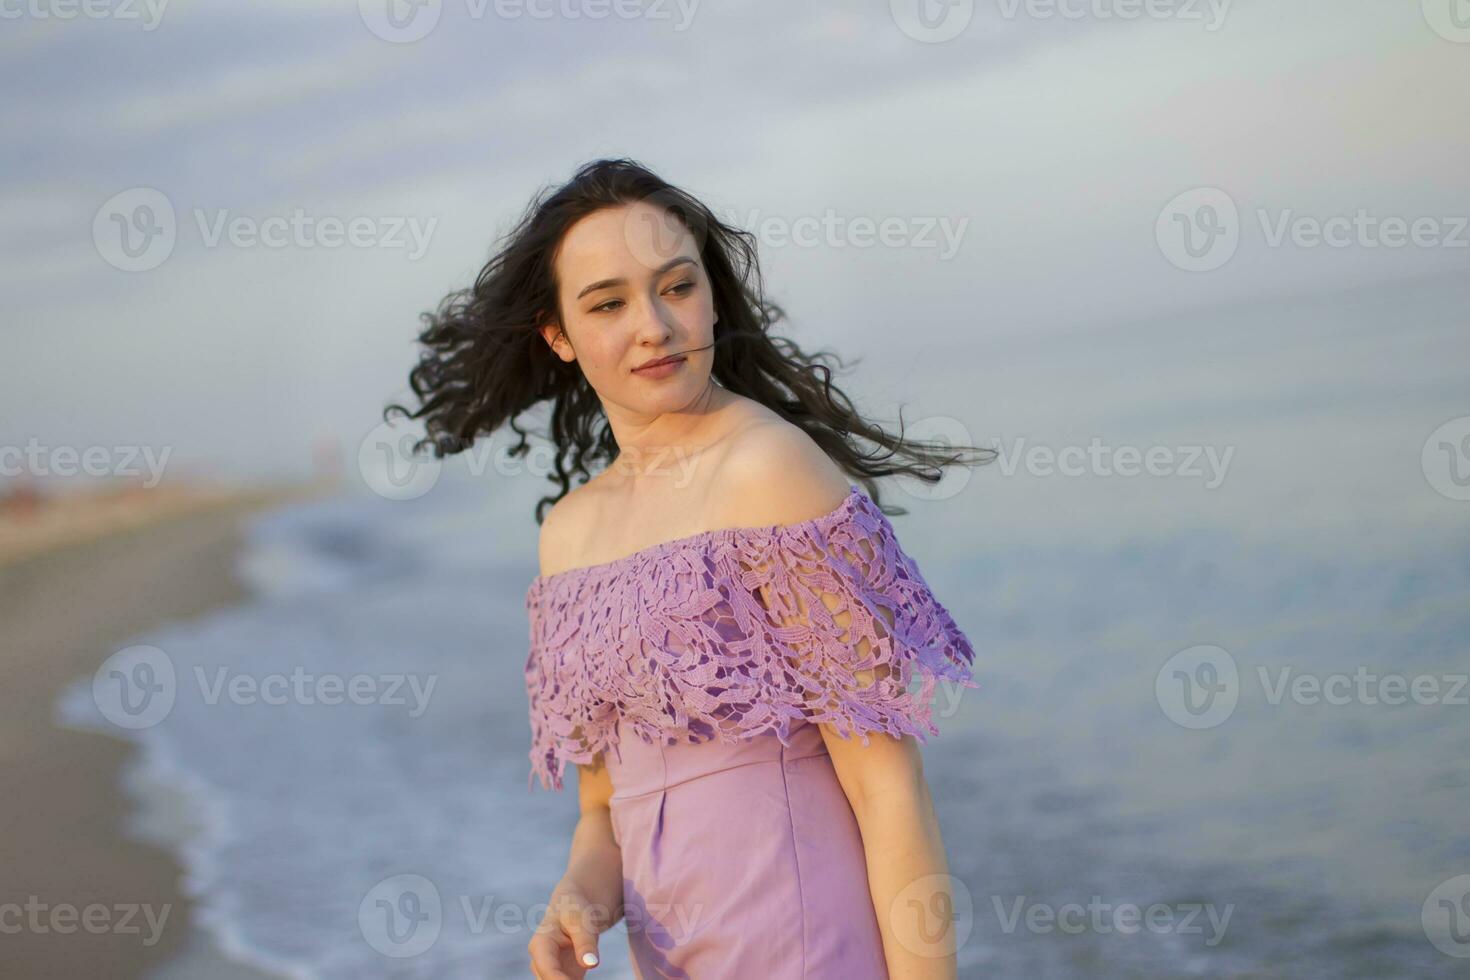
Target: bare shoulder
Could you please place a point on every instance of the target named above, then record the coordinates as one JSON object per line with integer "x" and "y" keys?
{"x": 563, "y": 526}
{"x": 774, "y": 473}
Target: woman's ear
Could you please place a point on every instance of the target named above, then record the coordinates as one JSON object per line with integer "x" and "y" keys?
{"x": 556, "y": 339}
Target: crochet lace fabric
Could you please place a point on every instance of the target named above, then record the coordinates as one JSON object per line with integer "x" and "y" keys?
{"x": 736, "y": 632}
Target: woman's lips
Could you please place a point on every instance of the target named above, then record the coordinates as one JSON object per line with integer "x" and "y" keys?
{"x": 661, "y": 369}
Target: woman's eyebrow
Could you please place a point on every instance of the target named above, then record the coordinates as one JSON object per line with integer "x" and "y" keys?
{"x": 605, "y": 283}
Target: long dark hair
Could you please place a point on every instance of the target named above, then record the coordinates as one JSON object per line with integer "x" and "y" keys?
{"x": 484, "y": 361}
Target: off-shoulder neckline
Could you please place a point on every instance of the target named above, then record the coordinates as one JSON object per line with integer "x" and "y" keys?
{"x": 568, "y": 574}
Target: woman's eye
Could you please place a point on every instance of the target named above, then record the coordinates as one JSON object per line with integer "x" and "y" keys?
{"x": 683, "y": 288}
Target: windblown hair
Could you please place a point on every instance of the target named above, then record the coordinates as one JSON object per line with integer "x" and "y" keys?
{"x": 484, "y": 361}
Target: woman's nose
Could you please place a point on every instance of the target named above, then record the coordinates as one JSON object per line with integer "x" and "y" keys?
{"x": 653, "y": 322}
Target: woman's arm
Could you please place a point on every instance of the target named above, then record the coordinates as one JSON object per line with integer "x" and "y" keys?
{"x": 778, "y": 475}
{"x": 908, "y": 876}
{"x": 595, "y": 863}
{"x": 588, "y": 899}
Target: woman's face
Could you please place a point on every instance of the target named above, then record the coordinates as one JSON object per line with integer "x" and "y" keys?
{"x": 632, "y": 290}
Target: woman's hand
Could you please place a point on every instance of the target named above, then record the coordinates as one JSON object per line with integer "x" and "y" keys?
{"x": 589, "y": 897}
{"x": 565, "y": 944}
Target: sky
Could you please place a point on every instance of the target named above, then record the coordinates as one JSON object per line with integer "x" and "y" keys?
{"x": 1033, "y": 168}
{"x": 1158, "y": 227}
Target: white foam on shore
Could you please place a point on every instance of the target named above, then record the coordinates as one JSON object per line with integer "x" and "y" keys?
{"x": 295, "y": 811}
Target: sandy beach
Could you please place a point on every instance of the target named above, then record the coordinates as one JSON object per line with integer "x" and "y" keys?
{"x": 94, "y": 902}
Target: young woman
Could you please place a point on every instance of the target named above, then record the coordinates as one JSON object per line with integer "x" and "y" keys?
{"x": 720, "y": 611}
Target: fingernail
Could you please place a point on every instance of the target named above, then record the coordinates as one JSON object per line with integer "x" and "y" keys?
{"x": 589, "y": 958}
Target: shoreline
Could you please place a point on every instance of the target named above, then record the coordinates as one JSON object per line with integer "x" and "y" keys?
{"x": 69, "y": 816}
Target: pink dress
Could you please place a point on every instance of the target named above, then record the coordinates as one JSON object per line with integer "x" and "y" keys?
{"x": 702, "y": 665}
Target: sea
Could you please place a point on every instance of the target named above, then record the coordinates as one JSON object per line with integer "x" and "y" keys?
{"x": 1220, "y": 731}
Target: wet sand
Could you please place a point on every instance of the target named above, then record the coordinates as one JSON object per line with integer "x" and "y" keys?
{"x": 65, "y": 606}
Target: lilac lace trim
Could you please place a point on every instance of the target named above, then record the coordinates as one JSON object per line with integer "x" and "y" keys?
{"x": 732, "y": 633}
